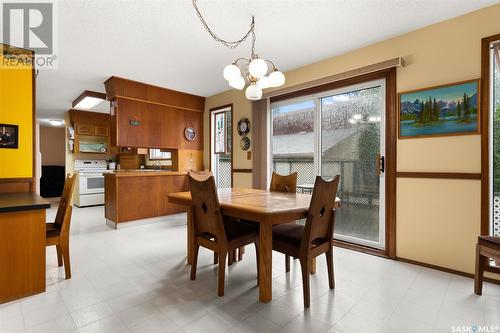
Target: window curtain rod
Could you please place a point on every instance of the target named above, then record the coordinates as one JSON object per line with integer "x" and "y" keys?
{"x": 394, "y": 62}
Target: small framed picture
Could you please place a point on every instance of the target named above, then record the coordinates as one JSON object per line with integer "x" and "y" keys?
{"x": 450, "y": 109}
{"x": 9, "y": 136}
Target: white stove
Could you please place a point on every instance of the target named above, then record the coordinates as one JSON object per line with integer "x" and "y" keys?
{"x": 90, "y": 185}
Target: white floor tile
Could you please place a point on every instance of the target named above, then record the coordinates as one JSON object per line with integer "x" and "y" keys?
{"x": 135, "y": 279}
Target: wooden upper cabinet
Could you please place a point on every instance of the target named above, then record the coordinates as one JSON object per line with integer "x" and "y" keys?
{"x": 154, "y": 117}
{"x": 84, "y": 129}
{"x": 128, "y": 122}
{"x": 101, "y": 130}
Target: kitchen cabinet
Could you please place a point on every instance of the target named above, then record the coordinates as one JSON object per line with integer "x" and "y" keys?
{"x": 144, "y": 115}
{"x": 140, "y": 124}
{"x": 101, "y": 130}
{"x": 91, "y": 130}
{"x": 84, "y": 129}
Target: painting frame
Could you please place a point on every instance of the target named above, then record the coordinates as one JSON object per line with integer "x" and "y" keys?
{"x": 13, "y": 129}
{"x": 477, "y": 130}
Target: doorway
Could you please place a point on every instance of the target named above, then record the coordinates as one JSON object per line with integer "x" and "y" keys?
{"x": 343, "y": 130}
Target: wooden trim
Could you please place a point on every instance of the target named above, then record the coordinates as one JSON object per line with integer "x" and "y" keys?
{"x": 242, "y": 170}
{"x": 16, "y": 180}
{"x": 88, "y": 93}
{"x": 485, "y": 130}
{"x": 360, "y": 248}
{"x": 445, "y": 269}
{"x": 390, "y": 161}
{"x": 150, "y": 85}
{"x": 476, "y": 132}
{"x": 316, "y": 85}
{"x": 439, "y": 175}
{"x": 211, "y": 111}
{"x": 33, "y": 101}
{"x": 156, "y": 103}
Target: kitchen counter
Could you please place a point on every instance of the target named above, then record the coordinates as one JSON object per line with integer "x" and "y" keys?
{"x": 144, "y": 172}
{"x": 131, "y": 195}
{"x": 15, "y": 202}
{"x": 22, "y": 245}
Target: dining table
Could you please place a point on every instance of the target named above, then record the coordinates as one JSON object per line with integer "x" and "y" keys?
{"x": 261, "y": 206}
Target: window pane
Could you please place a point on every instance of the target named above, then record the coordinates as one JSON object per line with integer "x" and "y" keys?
{"x": 293, "y": 140}
{"x": 350, "y": 144}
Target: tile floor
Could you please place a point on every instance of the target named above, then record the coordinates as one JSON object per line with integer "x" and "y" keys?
{"x": 135, "y": 280}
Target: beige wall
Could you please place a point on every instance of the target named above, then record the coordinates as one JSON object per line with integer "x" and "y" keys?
{"x": 52, "y": 145}
{"x": 437, "y": 220}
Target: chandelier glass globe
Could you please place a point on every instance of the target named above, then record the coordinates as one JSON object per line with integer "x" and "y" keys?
{"x": 238, "y": 83}
{"x": 231, "y": 72}
{"x": 253, "y": 92}
{"x": 276, "y": 79}
{"x": 257, "y": 68}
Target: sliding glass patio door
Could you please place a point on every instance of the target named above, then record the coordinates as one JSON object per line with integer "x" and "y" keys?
{"x": 338, "y": 132}
{"x": 352, "y": 145}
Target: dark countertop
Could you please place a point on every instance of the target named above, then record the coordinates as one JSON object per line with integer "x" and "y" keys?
{"x": 15, "y": 202}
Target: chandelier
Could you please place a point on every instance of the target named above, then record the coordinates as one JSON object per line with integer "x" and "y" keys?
{"x": 255, "y": 73}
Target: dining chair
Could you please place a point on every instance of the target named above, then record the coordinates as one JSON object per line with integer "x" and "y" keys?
{"x": 287, "y": 184}
{"x": 315, "y": 237}
{"x": 57, "y": 232}
{"x": 200, "y": 175}
{"x": 214, "y": 231}
{"x": 487, "y": 247}
{"x": 236, "y": 254}
{"x": 280, "y": 183}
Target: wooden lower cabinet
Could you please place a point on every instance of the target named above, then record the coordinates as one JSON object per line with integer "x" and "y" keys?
{"x": 136, "y": 195}
{"x": 22, "y": 254}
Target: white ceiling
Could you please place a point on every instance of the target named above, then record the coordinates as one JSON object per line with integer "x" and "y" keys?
{"x": 164, "y": 43}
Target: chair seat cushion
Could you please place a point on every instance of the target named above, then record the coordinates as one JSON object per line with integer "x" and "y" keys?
{"x": 493, "y": 240}
{"x": 236, "y": 229}
{"x": 52, "y": 230}
{"x": 288, "y": 233}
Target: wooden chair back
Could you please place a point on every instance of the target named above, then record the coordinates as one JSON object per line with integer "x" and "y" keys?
{"x": 63, "y": 216}
{"x": 280, "y": 183}
{"x": 206, "y": 211}
{"x": 200, "y": 175}
{"x": 321, "y": 216}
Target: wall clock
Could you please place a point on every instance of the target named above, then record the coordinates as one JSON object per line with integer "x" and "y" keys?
{"x": 243, "y": 126}
{"x": 245, "y": 143}
{"x": 190, "y": 134}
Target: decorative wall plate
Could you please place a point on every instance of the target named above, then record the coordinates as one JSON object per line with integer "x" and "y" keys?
{"x": 243, "y": 126}
{"x": 190, "y": 134}
{"x": 245, "y": 143}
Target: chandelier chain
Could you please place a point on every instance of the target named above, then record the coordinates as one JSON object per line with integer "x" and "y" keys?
{"x": 229, "y": 44}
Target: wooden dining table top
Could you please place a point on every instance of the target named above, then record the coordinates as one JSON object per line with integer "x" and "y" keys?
{"x": 256, "y": 201}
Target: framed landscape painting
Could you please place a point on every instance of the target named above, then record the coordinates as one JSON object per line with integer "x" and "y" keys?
{"x": 451, "y": 109}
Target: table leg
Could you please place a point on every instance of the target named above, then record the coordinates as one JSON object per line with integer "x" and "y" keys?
{"x": 190, "y": 236}
{"x": 265, "y": 262}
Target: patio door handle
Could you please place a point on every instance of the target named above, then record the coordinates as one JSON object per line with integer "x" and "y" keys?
{"x": 380, "y": 164}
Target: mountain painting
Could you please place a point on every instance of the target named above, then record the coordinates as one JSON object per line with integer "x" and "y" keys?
{"x": 451, "y": 109}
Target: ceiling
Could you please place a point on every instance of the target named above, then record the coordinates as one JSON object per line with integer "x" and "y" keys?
{"x": 164, "y": 43}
